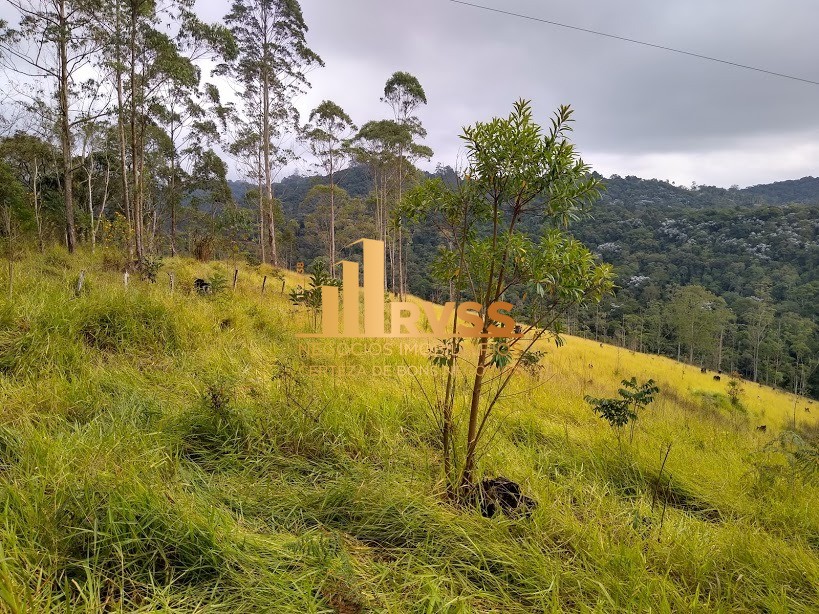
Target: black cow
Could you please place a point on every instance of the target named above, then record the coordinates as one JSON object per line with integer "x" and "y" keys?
{"x": 762, "y": 428}
{"x": 717, "y": 378}
{"x": 202, "y": 286}
{"x": 703, "y": 370}
{"x": 503, "y": 495}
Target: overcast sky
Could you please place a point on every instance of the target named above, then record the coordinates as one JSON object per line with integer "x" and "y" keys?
{"x": 638, "y": 110}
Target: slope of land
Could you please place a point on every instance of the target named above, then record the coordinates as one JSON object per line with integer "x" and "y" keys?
{"x": 175, "y": 451}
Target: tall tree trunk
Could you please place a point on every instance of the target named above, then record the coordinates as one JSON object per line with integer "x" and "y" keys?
{"x": 65, "y": 131}
{"x": 398, "y": 223}
{"x": 123, "y": 152}
{"x": 691, "y": 346}
{"x": 136, "y": 158}
{"x": 474, "y": 407}
{"x": 268, "y": 179}
{"x": 91, "y": 200}
{"x": 261, "y": 208}
{"x": 332, "y": 221}
{"x": 172, "y": 187}
{"x": 271, "y": 230}
{"x": 101, "y": 213}
{"x": 719, "y": 349}
{"x": 37, "y": 213}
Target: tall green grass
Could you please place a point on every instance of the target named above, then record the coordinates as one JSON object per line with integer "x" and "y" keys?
{"x": 174, "y": 452}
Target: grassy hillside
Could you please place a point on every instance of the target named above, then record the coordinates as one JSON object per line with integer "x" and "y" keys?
{"x": 187, "y": 453}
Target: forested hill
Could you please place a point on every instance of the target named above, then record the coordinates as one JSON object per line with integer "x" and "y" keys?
{"x": 293, "y": 190}
{"x": 755, "y": 249}
{"x": 734, "y": 242}
{"x": 653, "y": 192}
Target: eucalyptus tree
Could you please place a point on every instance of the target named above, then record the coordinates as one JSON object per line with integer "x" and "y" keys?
{"x": 270, "y": 67}
{"x": 699, "y": 318}
{"x": 193, "y": 115}
{"x": 246, "y": 149}
{"x": 799, "y": 334}
{"x": 327, "y": 134}
{"x": 379, "y": 145}
{"x": 211, "y": 199}
{"x": 193, "y": 119}
{"x": 404, "y": 94}
{"x": 376, "y": 146}
{"x": 151, "y": 55}
{"x": 53, "y": 46}
{"x": 515, "y": 170}
{"x": 758, "y": 319}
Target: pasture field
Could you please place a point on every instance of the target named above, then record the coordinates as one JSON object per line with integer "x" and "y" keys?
{"x": 174, "y": 452}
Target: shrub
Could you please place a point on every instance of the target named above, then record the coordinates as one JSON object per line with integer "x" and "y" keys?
{"x": 149, "y": 267}
{"x": 633, "y": 398}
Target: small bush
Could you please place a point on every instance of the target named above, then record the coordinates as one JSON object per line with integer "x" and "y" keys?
{"x": 149, "y": 267}
{"x": 218, "y": 282}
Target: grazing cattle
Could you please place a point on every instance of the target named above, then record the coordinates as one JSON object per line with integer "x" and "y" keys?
{"x": 807, "y": 409}
{"x": 719, "y": 370}
{"x": 601, "y": 345}
{"x": 762, "y": 428}
{"x": 518, "y": 329}
{"x": 703, "y": 370}
{"x": 503, "y": 495}
{"x": 202, "y": 286}
{"x": 717, "y": 378}
{"x": 591, "y": 366}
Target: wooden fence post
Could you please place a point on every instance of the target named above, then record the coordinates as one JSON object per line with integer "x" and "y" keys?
{"x": 80, "y": 282}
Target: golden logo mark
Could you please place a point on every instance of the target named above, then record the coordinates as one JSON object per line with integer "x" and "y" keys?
{"x": 404, "y": 317}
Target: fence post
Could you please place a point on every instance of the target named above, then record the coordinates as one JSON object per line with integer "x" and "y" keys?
{"x": 80, "y": 281}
